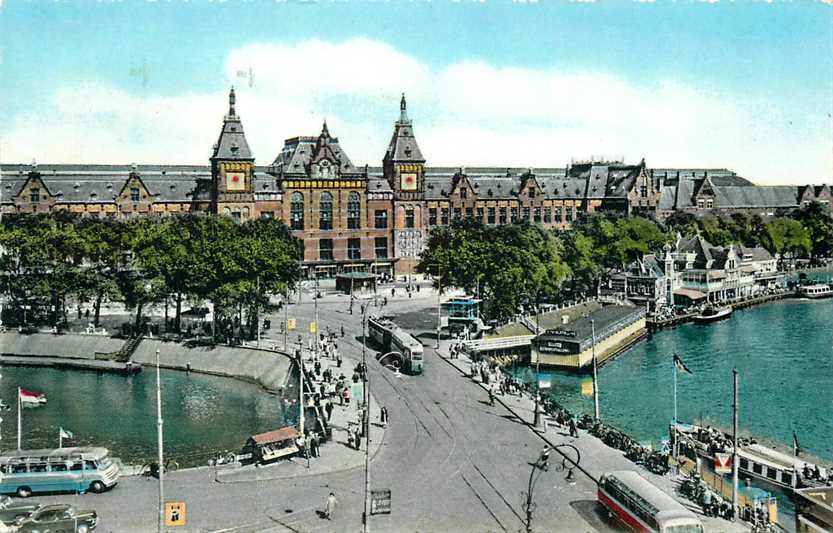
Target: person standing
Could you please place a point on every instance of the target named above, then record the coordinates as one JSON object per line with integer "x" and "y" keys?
{"x": 573, "y": 428}
{"x": 330, "y": 506}
{"x": 329, "y": 409}
{"x": 384, "y": 416}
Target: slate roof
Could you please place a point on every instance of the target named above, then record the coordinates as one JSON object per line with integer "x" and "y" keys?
{"x": 232, "y": 144}
{"x": 756, "y": 196}
{"x": 757, "y": 253}
{"x": 378, "y": 184}
{"x": 667, "y": 198}
{"x": 700, "y": 247}
{"x": 298, "y": 152}
{"x": 403, "y": 146}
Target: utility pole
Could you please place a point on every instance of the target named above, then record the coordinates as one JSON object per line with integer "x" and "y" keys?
{"x": 301, "y": 405}
{"x": 595, "y": 372}
{"x": 285, "y": 318}
{"x": 735, "y": 409}
{"x": 160, "y": 458}
{"x": 257, "y": 310}
{"x": 315, "y": 300}
{"x": 537, "y": 418}
{"x": 439, "y": 290}
{"x": 366, "y": 421}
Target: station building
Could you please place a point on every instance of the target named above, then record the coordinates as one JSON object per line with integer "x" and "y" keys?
{"x": 376, "y": 219}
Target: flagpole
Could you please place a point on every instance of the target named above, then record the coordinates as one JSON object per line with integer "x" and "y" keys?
{"x": 19, "y": 424}
{"x": 676, "y": 435}
{"x": 60, "y": 439}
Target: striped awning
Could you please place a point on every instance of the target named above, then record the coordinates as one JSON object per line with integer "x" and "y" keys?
{"x": 691, "y": 294}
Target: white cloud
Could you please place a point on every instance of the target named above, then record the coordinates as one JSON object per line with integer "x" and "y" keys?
{"x": 467, "y": 113}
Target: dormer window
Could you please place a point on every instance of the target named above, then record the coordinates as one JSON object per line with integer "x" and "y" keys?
{"x": 532, "y": 192}
{"x": 463, "y": 192}
{"x": 34, "y": 195}
{"x": 134, "y": 195}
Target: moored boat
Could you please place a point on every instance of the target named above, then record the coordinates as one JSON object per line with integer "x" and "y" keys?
{"x": 816, "y": 290}
{"x": 712, "y": 314}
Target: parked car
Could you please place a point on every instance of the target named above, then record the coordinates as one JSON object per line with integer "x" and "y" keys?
{"x": 12, "y": 512}
{"x": 59, "y": 518}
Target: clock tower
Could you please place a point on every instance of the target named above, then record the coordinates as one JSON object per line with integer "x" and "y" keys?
{"x": 404, "y": 168}
{"x": 403, "y": 163}
{"x": 232, "y": 169}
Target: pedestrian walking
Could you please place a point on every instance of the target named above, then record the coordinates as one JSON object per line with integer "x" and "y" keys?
{"x": 346, "y": 395}
{"x": 338, "y": 360}
{"x": 329, "y": 409}
{"x": 573, "y": 428}
{"x": 491, "y": 397}
{"x": 330, "y": 506}
{"x": 383, "y": 415}
{"x": 342, "y": 331}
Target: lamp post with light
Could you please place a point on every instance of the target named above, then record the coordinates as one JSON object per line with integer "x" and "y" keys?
{"x": 542, "y": 465}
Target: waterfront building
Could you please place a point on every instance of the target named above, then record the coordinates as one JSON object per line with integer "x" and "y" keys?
{"x": 376, "y": 219}
{"x": 694, "y": 270}
{"x": 571, "y": 345}
{"x": 814, "y": 510}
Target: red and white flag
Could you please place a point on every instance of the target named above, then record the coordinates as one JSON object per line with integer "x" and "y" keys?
{"x": 31, "y": 398}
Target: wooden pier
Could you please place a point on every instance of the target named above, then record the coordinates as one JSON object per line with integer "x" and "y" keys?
{"x": 656, "y": 325}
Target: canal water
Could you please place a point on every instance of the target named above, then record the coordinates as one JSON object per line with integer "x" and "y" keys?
{"x": 783, "y": 352}
{"x": 203, "y": 414}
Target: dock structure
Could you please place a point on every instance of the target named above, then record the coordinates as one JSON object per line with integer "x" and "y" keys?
{"x": 566, "y": 338}
{"x": 606, "y": 331}
{"x": 654, "y": 324}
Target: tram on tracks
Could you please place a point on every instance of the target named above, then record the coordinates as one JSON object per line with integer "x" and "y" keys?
{"x": 392, "y": 338}
{"x": 642, "y": 506}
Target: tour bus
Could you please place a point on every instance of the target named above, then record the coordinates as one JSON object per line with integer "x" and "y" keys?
{"x": 58, "y": 469}
{"x": 393, "y": 338}
{"x": 642, "y": 506}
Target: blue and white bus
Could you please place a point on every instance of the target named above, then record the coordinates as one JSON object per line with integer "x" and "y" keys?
{"x": 391, "y": 337}
{"x": 24, "y": 472}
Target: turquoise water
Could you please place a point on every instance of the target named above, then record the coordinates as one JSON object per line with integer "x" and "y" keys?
{"x": 784, "y": 355}
{"x": 202, "y": 414}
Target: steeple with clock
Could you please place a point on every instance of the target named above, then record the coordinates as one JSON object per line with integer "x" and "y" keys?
{"x": 232, "y": 169}
{"x": 403, "y": 163}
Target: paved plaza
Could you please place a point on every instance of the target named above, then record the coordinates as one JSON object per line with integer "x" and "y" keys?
{"x": 452, "y": 461}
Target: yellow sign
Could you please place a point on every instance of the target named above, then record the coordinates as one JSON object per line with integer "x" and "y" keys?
{"x": 587, "y": 388}
{"x": 290, "y": 324}
{"x": 174, "y": 513}
{"x": 312, "y": 328}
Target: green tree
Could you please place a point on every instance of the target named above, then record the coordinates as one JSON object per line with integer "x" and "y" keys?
{"x": 816, "y": 219}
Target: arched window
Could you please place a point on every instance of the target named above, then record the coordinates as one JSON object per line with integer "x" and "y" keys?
{"x": 296, "y": 211}
{"x": 325, "y": 213}
{"x": 354, "y": 211}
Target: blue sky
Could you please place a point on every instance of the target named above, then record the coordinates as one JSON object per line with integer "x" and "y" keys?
{"x": 743, "y": 85}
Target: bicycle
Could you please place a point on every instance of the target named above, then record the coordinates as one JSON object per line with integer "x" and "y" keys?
{"x": 151, "y": 469}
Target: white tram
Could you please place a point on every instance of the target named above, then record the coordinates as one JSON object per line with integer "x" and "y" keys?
{"x": 392, "y": 338}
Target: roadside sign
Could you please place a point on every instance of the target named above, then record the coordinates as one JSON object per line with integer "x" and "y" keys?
{"x": 174, "y": 513}
{"x": 380, "y": 501}
{"x": 290, "y": 324}
{"x": 587, "y": 388}
{"x": 722, "y": 463}
{"x": 312, "y": 328}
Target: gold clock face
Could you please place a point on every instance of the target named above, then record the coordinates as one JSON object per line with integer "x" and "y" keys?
{"x": 235, "y": 181}
{"x": 409, "y": 181}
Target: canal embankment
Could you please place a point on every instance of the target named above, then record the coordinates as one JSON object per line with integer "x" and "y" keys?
{"x": 269, "y": 369}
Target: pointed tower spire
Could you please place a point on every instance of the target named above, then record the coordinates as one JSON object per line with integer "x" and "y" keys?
{"x": 231, "y": 100}
{"x": 403, "y": 109}
{"x": 324, "y": 131}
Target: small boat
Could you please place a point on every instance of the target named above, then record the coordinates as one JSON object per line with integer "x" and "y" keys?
{"x": 817, "y": 290}
{"x": 712, "y": 314}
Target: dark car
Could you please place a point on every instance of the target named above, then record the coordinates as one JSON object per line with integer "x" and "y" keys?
{"x": 12, "y": 513}
{"x": 60, "y": 518}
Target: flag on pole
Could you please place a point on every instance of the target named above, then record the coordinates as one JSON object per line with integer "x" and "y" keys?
{"x": 796, "y": 447}
{"x": 680, "y": 365}
{"x": 64, "y": 434}
{"x": 28, "y": 397}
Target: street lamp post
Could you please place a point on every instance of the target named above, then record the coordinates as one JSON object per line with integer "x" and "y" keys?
{"x": 439, "y": 291}
{"x": 366, "y": 421}
{"x": 541, "y": 465}
{"x": 595, "y": 372}
{"x": 161, "y": 470}
{"x": 537, "y": 417}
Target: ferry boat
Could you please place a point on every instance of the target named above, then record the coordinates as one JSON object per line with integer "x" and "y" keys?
{"x": 816, "y": 290}
{"x": 713, "y": 314}
{"x": 754, "y": 460}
